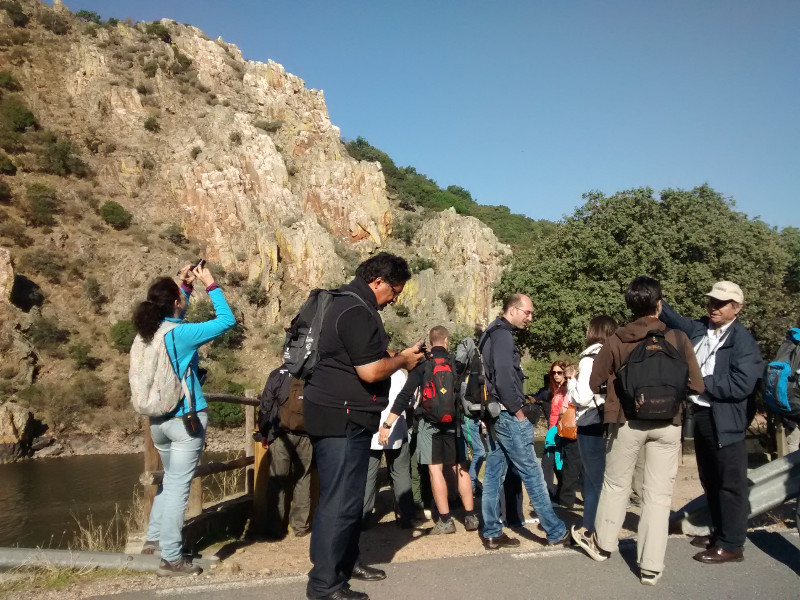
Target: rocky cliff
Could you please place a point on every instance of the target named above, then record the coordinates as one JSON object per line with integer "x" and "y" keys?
{"x": 212, "y": 155}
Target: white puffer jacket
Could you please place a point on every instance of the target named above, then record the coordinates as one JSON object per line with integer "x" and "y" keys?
{"x": 580, "y": 393}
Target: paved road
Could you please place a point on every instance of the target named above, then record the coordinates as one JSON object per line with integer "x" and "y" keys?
{"x": 770, "y": 570}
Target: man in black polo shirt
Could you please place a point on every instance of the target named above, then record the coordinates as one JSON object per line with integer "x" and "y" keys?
{"x": 344, "y": 397}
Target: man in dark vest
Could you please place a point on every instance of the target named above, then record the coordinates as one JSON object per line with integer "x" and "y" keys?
{"x": 290, "y": 454}
{"x": 344, "y": 397}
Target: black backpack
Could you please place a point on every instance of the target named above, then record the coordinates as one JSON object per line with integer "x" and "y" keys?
{"x": 438, "y": 399}
{"x": 653, "y": 382}
{"x": 301, "y": 347}
{"x": 469, "y": 377}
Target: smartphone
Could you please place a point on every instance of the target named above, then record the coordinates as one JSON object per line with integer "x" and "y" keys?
{"x": 200, "y": 264}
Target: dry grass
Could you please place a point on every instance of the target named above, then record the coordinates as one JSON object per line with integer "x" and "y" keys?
{"x": 112, "y": 535}
{"x": 219, "y": 486}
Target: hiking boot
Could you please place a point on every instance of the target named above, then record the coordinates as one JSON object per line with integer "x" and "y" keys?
{"x": 151, "y": 547}
{"x": 649, "y": 577}
{"x": 503, "y": 541}
{"x": 177, "y": 568}
{"x": 471, "y": 522}
{"x": 441, "y": 527}
{"x": 589, "y": 544}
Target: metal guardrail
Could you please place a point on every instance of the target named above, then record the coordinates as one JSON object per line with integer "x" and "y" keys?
{"x": 770, "y": 486}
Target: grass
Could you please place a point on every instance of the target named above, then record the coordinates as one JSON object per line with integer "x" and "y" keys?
{"x": 29, "y": 579}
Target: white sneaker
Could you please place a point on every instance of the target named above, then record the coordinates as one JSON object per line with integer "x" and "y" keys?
{"x": 589, "y": 544}
{"x": 649, "y": 577}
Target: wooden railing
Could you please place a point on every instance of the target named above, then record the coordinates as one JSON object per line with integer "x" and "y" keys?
{"x": 153, "y": 475}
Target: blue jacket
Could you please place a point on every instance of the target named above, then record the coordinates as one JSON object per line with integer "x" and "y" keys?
{"x": 188, "y": 337}
{"x": 738, "y": 367}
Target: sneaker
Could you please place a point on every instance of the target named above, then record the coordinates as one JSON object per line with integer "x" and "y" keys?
{"x": 589, "y": 544}
{"x": 503, "y": 541}
{"x": 471, "y": 522}
{"x": 441, "y": 527}
{"x": 562, "y": 540}
{"x": 177, "y": 568}
{"x": 151, "y": 547}
{"x": 649, "y": 577}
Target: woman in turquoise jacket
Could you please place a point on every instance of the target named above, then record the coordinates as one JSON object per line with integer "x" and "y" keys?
{"x": 179, "y": 449}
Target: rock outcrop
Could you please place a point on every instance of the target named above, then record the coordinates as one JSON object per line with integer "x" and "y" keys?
{"x": 18, "y": 430}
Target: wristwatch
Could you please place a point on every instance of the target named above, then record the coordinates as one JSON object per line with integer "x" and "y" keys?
{"x": 385, "y": 425}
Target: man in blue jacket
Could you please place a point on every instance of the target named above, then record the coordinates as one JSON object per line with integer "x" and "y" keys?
{"x": 731, "y": 364}
{"x": 511, "y": 438}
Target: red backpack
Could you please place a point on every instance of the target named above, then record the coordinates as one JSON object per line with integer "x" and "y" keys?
{"x": 438, "y": 392}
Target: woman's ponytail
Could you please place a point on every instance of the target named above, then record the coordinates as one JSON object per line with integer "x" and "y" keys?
{"x": 160, "y": 304}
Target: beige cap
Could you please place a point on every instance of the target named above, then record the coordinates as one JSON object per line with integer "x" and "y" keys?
{"x": 727, "y": 290}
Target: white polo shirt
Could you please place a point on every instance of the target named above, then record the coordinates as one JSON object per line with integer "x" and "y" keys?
{"x": 706, "y": 353}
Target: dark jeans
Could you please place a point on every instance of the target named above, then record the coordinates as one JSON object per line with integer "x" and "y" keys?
{"x": 342, "y": 463}
{"x": 723, "y": 473}
{"x": 571, "y": 472}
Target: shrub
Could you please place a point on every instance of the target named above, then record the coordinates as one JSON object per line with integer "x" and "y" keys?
{"x": 401, "y": 310}
{"x": 149, "y": 68}
{"x": 15, "y": 13}
{"x": 196, "y": 152}
{"x": 417, "y": 264}
{"x": 58, "y": 157}
{"x": 46, "y": 334}
{"x": 151, "y": 124}
{"x": 234, "y": 278}
{"x": 88, "y": 16}
{"x": 256, "y": 294}
{"x": 81, "y": 354}
{"x": 174, "y": 234}
{"x": 15, "y": 116}
{"x": 95, "y": 294}
{"x": 115, "y": 215}
{"x": 235, "y": 138}
{"x": 268, "y": 126}
{"x": 143, "y": 89}
{"x": 6, "y": 166}
{"x": 405, "y": 228}
{"x": 449, "y": 301}
{"x": 42, "y": 204}
{"x": 46, "y": 263}
{"x": 148, "y": 164}
{"x": 224, "y": 415}
{"x": 181, "y": 63}
{"x": 15, "y": 231}
{"x": 89, "y": 389}
{"x": 203, "y": 310}
{"x": 11, "y": 141}
{"x": 9, "y": 82}
{"x": 54, "y": 23}
{"x": 5, "y": 193}
{"x": 121, "y": 335}
{"x": 158, "y": 31}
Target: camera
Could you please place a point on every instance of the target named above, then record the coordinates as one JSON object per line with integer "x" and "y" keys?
{"x": 200, "y": 264}
{"x": 424, "y": 349}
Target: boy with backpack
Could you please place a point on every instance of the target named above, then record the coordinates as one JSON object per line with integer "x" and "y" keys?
{"x": 647, "y": 369}
{"x": 439, "y": 441}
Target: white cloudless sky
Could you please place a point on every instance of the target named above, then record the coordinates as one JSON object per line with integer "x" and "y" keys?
{"x": 532, "y": 103}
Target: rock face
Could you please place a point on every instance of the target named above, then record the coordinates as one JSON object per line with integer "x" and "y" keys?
{"x": 6, "y": 275}
{"x": 18, "y": 429}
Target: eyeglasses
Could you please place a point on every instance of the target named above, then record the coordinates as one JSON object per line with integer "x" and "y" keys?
{"x": 557, "y": 372}
{"x": 395, "y": 292}
{"x": 528, "y": 313}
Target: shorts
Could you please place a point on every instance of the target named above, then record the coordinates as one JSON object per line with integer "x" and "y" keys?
{"x": 438, "y": 444}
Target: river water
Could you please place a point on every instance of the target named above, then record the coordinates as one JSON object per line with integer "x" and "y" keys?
{"x": 40, "y": 499}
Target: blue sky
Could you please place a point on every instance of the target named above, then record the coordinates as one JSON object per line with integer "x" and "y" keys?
{"x": 531, "y": 103}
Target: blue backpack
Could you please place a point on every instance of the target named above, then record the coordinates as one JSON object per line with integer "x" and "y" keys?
{"x": 782, "y": 378}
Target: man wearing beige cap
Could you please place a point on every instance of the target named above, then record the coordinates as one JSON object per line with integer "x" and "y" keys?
{"x": 730, "y": 362}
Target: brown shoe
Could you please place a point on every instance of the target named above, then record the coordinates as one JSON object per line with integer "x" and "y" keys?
{"x": 702, "y": 541}
{"x": 500, "y": 542}
{"x": 716, "y": 555}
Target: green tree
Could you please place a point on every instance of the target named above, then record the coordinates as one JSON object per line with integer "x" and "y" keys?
{"x": 88, "y": 16}
{"x": 686, "y": 239}
{"x": 59, "y": 157}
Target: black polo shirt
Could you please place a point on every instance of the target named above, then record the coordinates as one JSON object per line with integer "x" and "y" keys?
{"x": 352, "y": 335}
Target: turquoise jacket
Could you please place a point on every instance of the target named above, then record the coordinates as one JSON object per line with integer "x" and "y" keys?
{"x": 183, "y": 341}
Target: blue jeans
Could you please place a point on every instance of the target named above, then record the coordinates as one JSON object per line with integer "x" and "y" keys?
{"x": 180, "y": 454}
{"x": 471, "y": 429}
{"x": 593, "y": 457}
{"x": 342, "y": 463}
{"x": 513, "y": 442}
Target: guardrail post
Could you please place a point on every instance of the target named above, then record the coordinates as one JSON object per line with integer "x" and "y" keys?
{"x": 249, "y": 450}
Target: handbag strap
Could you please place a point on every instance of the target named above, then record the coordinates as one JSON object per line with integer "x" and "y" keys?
{"x": 186, "y": 393}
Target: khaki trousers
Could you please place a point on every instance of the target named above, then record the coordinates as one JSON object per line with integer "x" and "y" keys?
{"x": 661, "y": 445}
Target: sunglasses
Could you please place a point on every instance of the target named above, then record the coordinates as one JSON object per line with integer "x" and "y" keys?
{"x": 557, "y": 372}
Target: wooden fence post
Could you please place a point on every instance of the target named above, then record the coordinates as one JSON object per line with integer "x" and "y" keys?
{"x": 195, "y": 504}
{"x": 249, "y": 450}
